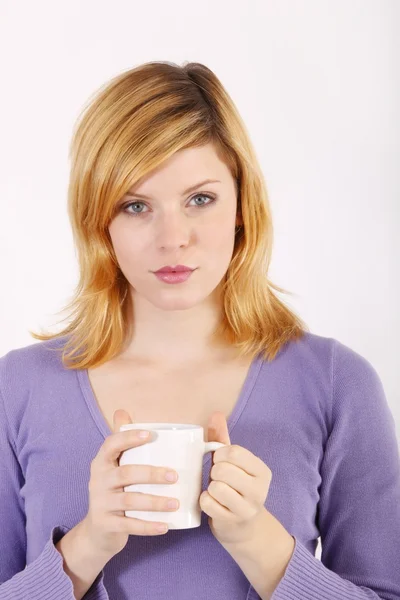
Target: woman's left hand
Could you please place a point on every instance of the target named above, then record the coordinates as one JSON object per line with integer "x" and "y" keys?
{"x": 238, "y": 488}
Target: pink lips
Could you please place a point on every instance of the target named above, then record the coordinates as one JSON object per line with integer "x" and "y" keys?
{"x": 177, "y": 277}
{"x": 177, "y": 269}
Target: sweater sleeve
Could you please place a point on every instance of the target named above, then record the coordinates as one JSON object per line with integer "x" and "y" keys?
{"x": 44, "y": 578}
{"x": 358, "y": 513}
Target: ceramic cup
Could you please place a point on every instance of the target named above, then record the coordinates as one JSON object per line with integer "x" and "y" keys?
{"x": 180, "y": 446}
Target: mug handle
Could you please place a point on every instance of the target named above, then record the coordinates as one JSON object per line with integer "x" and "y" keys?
{"x": 212, "y": 446}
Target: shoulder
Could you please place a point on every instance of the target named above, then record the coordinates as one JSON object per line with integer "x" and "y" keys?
{"x": 30, "y": 361}
{"x": 330, "y": 373}
{"x": 355, "y": 387}
{"x": 348, "y": 369}
{"x": 27, "y": 374}
{"x": 308, "y": 356}
{"x": 317, "y": 351}
{"x": 312, "y": 346}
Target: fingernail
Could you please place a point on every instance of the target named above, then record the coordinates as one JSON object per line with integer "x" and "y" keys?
{"x": 144, "y": 434}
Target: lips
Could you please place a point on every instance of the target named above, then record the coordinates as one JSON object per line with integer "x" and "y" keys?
{"x": 177, "y": 269}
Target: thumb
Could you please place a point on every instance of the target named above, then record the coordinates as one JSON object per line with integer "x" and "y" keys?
{"x": 121, "y": 417}
{"x": 217, "y": 432}
{"x": 218, "y": 428}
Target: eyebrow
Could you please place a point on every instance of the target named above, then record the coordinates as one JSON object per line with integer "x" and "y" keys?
{"x": 189, "y": 189}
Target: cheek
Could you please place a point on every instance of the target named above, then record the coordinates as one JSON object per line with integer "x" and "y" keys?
{"x": 220, "y": 229}
{"x": 220, "y": 240}
{"x": 126, "y": 246}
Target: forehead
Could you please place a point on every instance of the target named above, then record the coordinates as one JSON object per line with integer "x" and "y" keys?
{"x": 185, "y": 170}
{"x": 192, "y": 188}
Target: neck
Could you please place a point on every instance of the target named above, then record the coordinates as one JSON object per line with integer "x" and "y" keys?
{"x": 174, "y": 335}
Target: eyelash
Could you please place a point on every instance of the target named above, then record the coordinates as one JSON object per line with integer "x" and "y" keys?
{"x": 132, "y": 214}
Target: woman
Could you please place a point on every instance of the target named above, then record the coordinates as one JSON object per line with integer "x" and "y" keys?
{"x": 163, "y": 174}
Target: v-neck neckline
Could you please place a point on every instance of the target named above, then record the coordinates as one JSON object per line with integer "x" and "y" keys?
{"x": 244, "y": 395}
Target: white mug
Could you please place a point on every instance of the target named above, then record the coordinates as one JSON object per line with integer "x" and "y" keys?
{"x": 181, "y": 447}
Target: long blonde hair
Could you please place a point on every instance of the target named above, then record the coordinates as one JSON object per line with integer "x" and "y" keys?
{"x": 134, "y": 123}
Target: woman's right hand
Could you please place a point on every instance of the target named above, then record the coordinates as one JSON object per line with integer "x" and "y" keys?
{"x": 105, "y": 524}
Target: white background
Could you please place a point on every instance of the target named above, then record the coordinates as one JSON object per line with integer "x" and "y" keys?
{"x": 317, "y": 84}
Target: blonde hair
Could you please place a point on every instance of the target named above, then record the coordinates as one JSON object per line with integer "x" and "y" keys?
{"x": 134, "y": 123}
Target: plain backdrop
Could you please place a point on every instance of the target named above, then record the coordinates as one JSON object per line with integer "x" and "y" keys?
{"x": 317, "y": 83}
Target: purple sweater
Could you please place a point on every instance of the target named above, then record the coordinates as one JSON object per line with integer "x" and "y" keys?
{"x": 317, "y": 415}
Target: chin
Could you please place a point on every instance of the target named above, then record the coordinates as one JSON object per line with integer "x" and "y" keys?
{"x": 177, "y": 303}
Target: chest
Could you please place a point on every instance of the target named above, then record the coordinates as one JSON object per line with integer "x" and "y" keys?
{"x": 185, "y": 395}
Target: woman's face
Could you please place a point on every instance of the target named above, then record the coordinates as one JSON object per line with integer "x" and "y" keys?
{"x": 176, "y": 226}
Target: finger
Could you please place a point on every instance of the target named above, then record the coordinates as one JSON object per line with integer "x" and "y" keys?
{"x": 217, "y": 428}
{"x": 137, "y": 526}
{"x": 243, "y": 458}
{"x": 250, "y": 487}
{"x": 229, "y": 499}
{"x": 124, "y": 475}
{"x": 214, "y": 508}
{"x": 232, "y": 475}
{"x": 117, "y": 443}
{"x": 120, "y": 417}
{"x": 118, "y": 501}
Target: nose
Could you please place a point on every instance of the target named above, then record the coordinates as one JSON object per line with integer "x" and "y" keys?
{"x": 173, "y": 231}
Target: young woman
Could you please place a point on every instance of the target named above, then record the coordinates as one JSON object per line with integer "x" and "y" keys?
{"x": 164, "y": 177}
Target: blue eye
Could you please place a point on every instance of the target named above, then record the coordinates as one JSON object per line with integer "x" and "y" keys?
{"x": 124, "y": 207}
